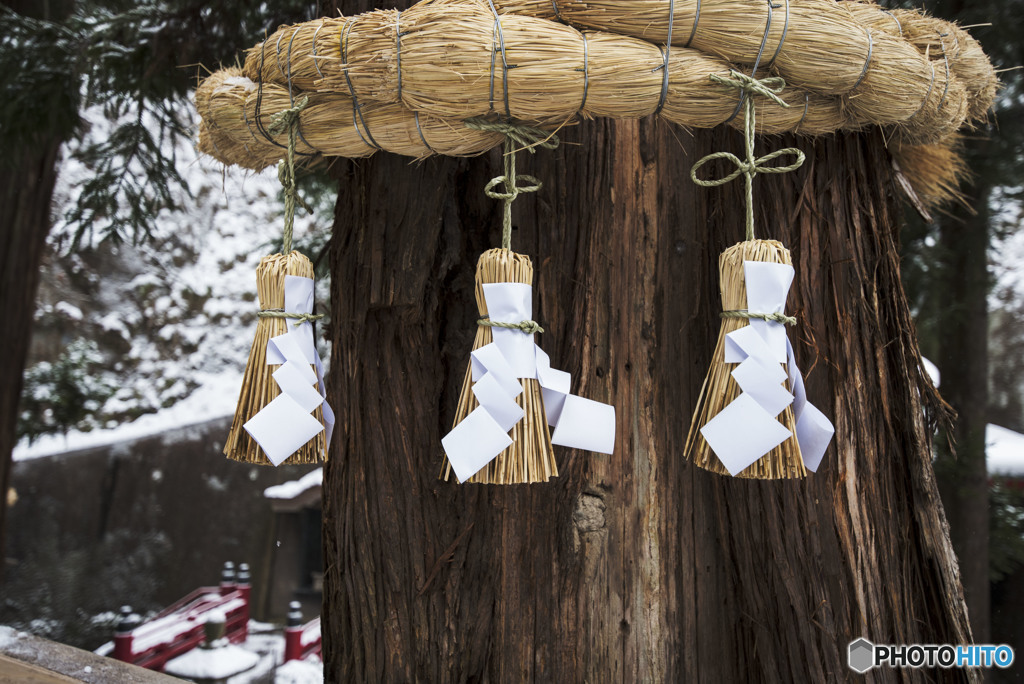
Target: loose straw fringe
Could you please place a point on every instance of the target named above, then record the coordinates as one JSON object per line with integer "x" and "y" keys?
{"x": 530, "y": 457}
{"x": 258, "y": 385}
{"x": 720, "y": 389}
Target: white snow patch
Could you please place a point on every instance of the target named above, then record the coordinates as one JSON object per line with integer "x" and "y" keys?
{"x": 212, "y": 663}
{"x": 300, "y": 672}
{"x": 933, "y": 371}
{"x": 290, "y": 490}
{"x": 1004, "y": 451}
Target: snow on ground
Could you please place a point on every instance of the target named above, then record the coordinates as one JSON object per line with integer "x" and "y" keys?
{"x": 183, "y": 304}
{"x": 300, "y": 672}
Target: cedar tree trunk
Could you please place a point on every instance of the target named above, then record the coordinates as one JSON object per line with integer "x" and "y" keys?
{"x": 26, "y": 184}
{"x": 636, "y": 567}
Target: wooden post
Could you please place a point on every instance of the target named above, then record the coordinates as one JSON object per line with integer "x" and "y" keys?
{"x": 293, "y": 633}
{"x": 123, "y": 636}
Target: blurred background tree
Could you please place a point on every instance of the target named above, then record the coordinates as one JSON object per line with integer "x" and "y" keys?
{"x": 948, "y": 277}
{"x": 138, "y": 61}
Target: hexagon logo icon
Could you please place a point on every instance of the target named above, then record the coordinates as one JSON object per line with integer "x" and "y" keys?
{"x": 861, "y": 656}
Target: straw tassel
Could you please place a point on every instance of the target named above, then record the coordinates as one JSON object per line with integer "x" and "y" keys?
{"x": 720, "y": 388}
{"x": 258, "y": 386}
{"x": 530, "y": 458}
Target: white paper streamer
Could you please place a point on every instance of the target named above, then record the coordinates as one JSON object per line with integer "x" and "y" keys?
{"x": 748, "y": 428}
{"x": 286, "y": 423}
{"x": 497, "y": 368}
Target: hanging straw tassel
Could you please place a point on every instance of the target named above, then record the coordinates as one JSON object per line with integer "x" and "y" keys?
{"x": 720, "y": 389}
{"x": 530, "y": 458}
{"x": 258, "y": 385}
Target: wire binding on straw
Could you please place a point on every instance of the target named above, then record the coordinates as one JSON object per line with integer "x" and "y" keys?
{"x": 554, "y": 5}
{"x": 504, "y": 61}
{"x": 586, "y": 74}
{"x": 945, "y": 58}
{"x": 398, "y": 51}
{"x": 416, "y": 118}
{"x": 782, "y": 38}
{"x": 665, "y": 53}
{"x": 357, "y": 108}
{"x": 807, "y": 101}
{"x": 291, "y": 95}
{"x": 259, "y": 102}
{"x": 924, "y": 101}
{"x": 316, "y": 62}
{"x": 757, "y": 60}
{"x": 867, "y": 60}
{"x": 899, "y": 26}
{"x": 693, "y": 30}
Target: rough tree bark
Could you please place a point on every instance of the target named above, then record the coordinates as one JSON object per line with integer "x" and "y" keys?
{"x": 637, "y": 566}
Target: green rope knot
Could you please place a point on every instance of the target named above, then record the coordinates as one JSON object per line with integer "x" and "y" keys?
{"x": 528, "y": 327}
{"x": 751, "y": 166}
{"x": 743, "y": 313}
{"x": 281, "y": 313}
{"x": 527, "y": 138}
{"x": 287, "y": 120}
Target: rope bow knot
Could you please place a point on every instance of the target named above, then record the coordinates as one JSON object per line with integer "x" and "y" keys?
{"x": 527, "y": 138}
{"x": 751, "y": 166}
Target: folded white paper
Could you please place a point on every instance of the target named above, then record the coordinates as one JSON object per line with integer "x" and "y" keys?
{"x": 496, "y": 371}
{"x": 585, "y": 424}
{"x": 497, "y": 402}
{"x": 742, "y": 433}
{"x": 760, "y": 348}
{"x": 763, "y": 382}
{"x": 282, "y": 427}
{"x": 297, "y": 380}
{"x": 510, "y": 303}
{"x": 473, "y": 443}
{"x": 294, "y": 351}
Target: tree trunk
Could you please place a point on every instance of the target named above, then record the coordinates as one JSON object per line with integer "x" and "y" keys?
{"x": 963, "y": 361}
{"x": 636, "y": 566}
{"x": 27, "y": 185}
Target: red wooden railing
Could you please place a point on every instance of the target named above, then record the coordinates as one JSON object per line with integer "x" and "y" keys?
{"x": 181, "y": 626}
{"x": 301, "y": 641}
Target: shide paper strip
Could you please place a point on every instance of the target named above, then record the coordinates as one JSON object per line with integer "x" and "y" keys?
{"x": 497, "y": 369}
{"x": 740, "y": 429}
{"x": 286, "y": 423}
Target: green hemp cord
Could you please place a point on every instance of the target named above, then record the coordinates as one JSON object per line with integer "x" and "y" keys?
{"x": 748, "y": 87}
{"x": 743, "y": 313}
{"x": 528, "y": 327}
{"x": 528, "y": 138}
{"x": 288, "y": 121}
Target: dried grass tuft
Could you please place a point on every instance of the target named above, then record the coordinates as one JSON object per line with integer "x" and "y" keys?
{"x": 934, "y": 171}
{"x": 221, "y": 99}
{"x": 258, "y": 385}
{"x": 720, "y": 389}
{"x": 530, "y": 458}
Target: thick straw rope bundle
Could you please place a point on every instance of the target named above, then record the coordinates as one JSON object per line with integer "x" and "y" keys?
{"x": 404, "y": 81}
{"x": 457, "y": 59}
{"x": 236, "y": 125}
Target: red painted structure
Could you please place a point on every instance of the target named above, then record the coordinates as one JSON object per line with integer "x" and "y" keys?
{"x": 301, "y": 641}
{"x": 181, "y": 626}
